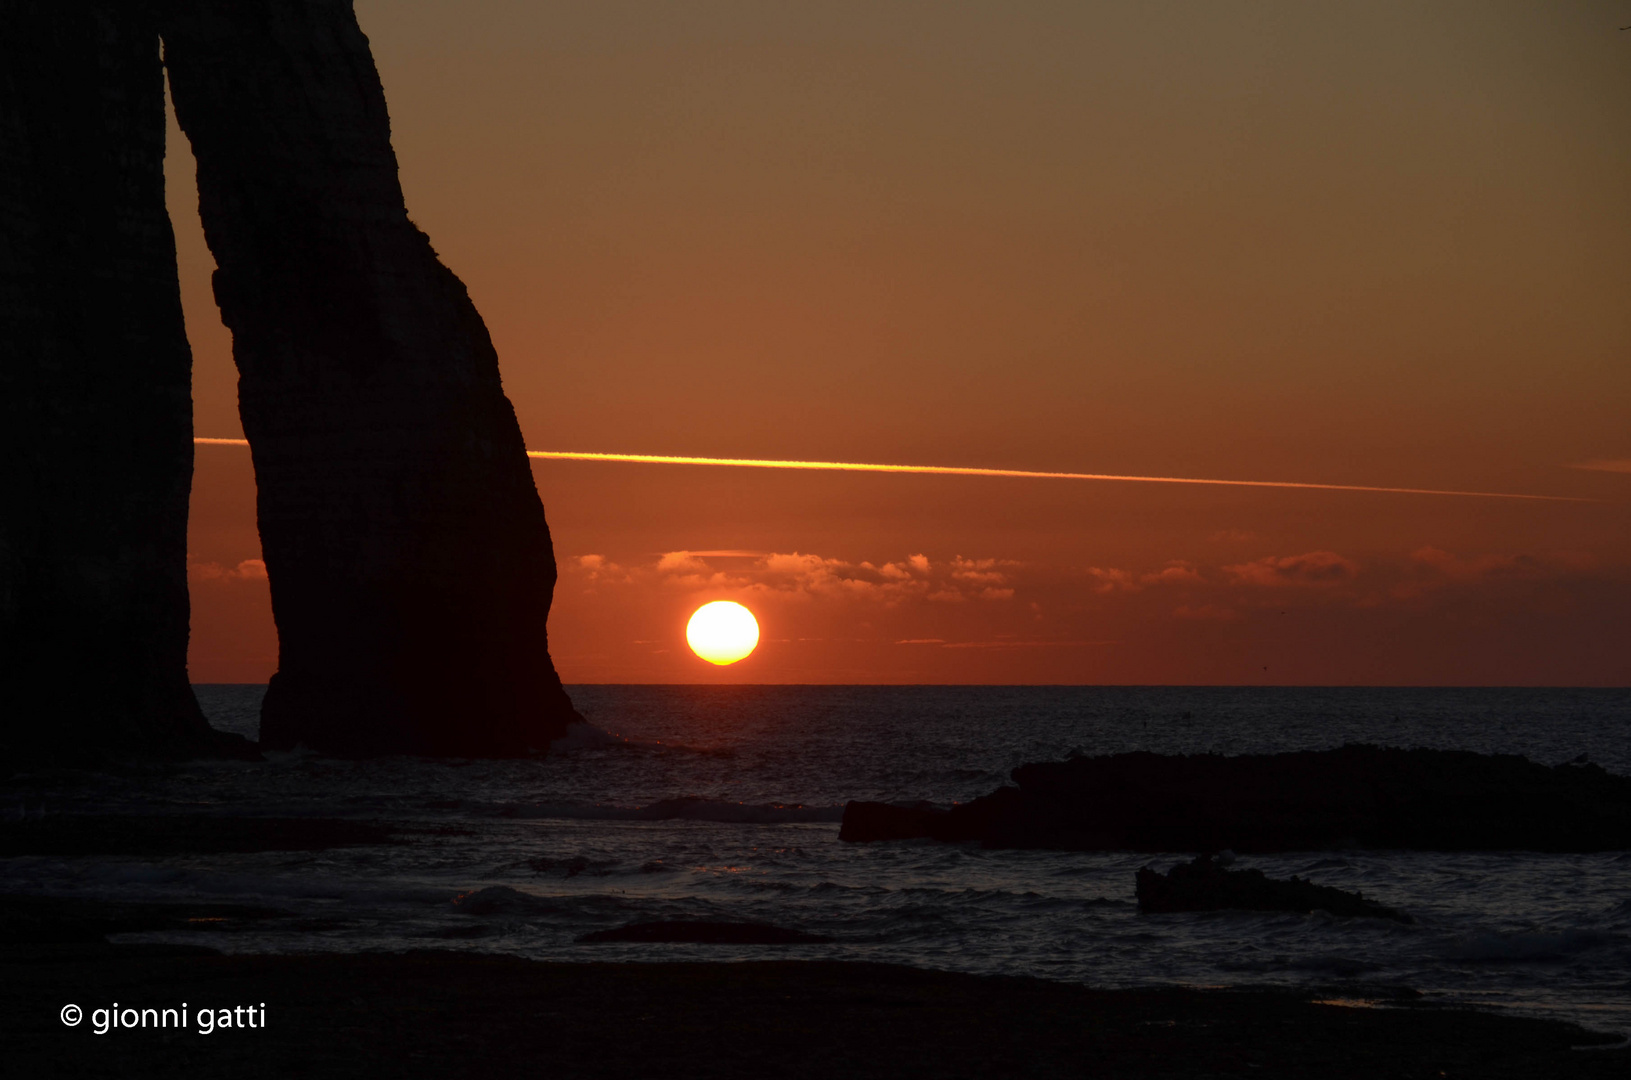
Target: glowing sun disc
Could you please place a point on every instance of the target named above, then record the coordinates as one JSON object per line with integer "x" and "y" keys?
{"x": 722, "y": 632}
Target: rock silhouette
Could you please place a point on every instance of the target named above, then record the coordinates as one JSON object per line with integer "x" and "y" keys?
{"x": 95, "y": 402}
{"x": 1205, "y": 885}
{"x": 1354, "y": 797}
{"x": 410, "y": 564}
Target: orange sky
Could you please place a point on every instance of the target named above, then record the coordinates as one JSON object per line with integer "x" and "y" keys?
{"x": 1353, "y": 243}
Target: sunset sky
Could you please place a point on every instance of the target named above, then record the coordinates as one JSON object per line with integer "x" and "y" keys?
{"x": 1377, "y": 243}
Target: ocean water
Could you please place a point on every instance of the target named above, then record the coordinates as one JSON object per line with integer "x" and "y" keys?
{"x": 724, "y": 803}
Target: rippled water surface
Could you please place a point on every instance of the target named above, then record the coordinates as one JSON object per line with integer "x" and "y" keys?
{"x": 724, "y": 802}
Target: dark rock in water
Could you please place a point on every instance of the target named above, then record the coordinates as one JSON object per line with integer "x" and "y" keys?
{"x": 96, "y": 449}
{"x": 1355, "y": 797}
{"x": 410, "y": 564}
{"x": 1205, "y": 885}
{"x": 881, "y": 821}
{"x": 706, "y": 933}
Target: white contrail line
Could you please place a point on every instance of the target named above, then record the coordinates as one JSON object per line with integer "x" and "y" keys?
{"x": 955, "y": 470}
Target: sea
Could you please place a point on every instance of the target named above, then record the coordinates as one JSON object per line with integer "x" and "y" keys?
{"x": 724, "y": 803}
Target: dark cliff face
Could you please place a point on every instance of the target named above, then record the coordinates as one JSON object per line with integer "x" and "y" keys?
{"x": 95, "y": 394}
{"x": 410, "y": 564}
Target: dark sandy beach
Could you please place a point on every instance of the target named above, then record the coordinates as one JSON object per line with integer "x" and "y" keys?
{"x": 449, "y": 1014}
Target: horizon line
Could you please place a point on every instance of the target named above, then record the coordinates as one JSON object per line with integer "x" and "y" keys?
{"x": 957, "y": 470}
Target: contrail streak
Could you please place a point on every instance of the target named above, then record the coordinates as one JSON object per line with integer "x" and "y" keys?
{"x": 954, "y": 470}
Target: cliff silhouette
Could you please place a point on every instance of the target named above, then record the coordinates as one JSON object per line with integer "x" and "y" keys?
{"x": 96, "y": 451}
{"x": 409, "y": 559}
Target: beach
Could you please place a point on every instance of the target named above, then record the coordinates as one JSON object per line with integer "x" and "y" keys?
{"x": 446, "y": 1014}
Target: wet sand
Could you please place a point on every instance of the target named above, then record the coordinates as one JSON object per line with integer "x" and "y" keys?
{"x": 452, "y": 1014}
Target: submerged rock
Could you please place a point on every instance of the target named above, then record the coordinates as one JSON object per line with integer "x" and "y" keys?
{"x": 698, "y": 932}
{"x": 1354, "y": 797}
{"x": 1207, "y": 885}
{"x": 410, "y": 564}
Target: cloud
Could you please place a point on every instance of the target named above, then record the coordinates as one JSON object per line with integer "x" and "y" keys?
{"x": 1477, "y": 568}
{"x": 807, "y": 576}
{"x": 1313, "y": 569}
{"x": 248, "y": 570}
{"x": 1431, "y": 569}
{"x": 1619, "y": 465}
{"x": 680, "y": 562}
{"x": 1176, "y": 572}
{"x": 1111, "y": 580}
{"x": 983, "y": 573}
{"x": 979, "y": 571}
{"x": 974, "y": 616}
{"x": 816, "y": 575}
{"x": 597, "y": 569}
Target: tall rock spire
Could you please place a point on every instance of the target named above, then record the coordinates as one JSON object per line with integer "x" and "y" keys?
{"x": 410, "y": 564}
{"x": 95, "y": 395}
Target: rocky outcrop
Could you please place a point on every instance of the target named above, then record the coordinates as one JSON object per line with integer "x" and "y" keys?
{"x": 1355, "y": 797}
{"x": 1207, "y": 885}
{"x": 410, "y": 565}
{"x": 95, "y": 395}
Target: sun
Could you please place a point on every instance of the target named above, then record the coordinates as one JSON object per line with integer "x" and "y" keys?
{"x": 722, "y": 632}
